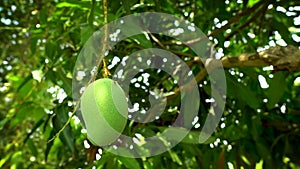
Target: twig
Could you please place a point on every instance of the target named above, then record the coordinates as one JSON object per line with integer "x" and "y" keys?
{"x": 233, "y": 20}
{"x": 99, "y": 61}
{"x": 285, "y": 58}
{"x": 253, "y": 18}
{"x": 66, "y": 124}
{"x": 156, "y": 40}
{"x": 12, "y": 28}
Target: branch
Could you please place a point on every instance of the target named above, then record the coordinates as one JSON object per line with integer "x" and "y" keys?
{"x": 282, "y": 58}
{"x": 100, "y": 62}
{"x": 232, "y": 21}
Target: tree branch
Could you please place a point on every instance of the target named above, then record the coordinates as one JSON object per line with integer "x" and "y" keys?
{"x": 283, "y": 58}
{"x": 232, "y": 21}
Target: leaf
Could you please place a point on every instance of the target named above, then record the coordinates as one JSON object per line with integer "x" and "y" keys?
{"x": 86, "y": 31}
{"x": 4, "y": 159}
{"x": 16, "y": 159}
{"x": 147, "y": 165}
{"x": 49, "y": 144}
{"x": 66, "y": 4}
{"x": 242, "y": 93}
{"x": 131, "y": 163}
{"x": 32, "y": 148}
{"x": 190, "y": 106}
{"x": 3, "y": 122}
{"x": 51, "y": 50}
{"x": 136, "y": 33}
{"x": 126, "y": 5}
{"x": 43, "y": 15}
{"x": 91, "y": 14}
{"x": 33, "y": 44}
{"x": 67, "y": 83}
{"x": 175, "y": 157}
{"x": 287, "y": 147}
{"x": 111, "y": 163}
{"x": 252, "y": 2}
{"x": 255, "y": 127}
{"x": 276, "y": 89}
{"x": 142, "y": 40}
{"x": 283, "y": 31}
{"x": 265, "y": 153}
{"x": 27, "y": 79}
{"x": 57, "y": 78}
{"x": 26, "y": 109}
{"x": 235, "y": 132}
{"x": 115, "y": 5}
{"x": 6, "y": 119}
{"x": 146, "y": 131}
{"x": 36, "y": 126}
{"x": 221, "y": 160}
{"x": 60, "y": 118}
{"x": 74, "y": 4}
{"x": 192, "y": 137}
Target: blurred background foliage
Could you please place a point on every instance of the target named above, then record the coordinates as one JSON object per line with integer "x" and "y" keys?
{"x": 39, "y": 44}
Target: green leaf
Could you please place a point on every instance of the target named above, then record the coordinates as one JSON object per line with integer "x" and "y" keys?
{"x": 49, "y": 145}
{"x": 60, "y": 79}
{"x": 33, "y": 44}
{"x": 115, "y": 5}
{"x": 43, "y": 15}
{"x": 126, "y": 5}
{"x": 6, "y": 119}
{"x": 60, "y": 118}
{"x": 142, "y": 40}
{"x": 86, "y": 31}
{"x": 104, "y": 159}
{"x": 276, "y": 89}
{"x": 283, "y": 30}
{"x": 3, "y": 122}
{"x": 242, "y": 93}
{"x": 32, "y": 148}
{"x": 129, "y": 31}
{"x": 147, "y": 165}
{"x": 35, "y": 127}
{"x": 235, "y": 132}
{"x": 67, "y": 83}
{"x": 85, "y": 5}
{"x": 51, "y": 50}
{"x": 265, "y": 153}
{"x": 16, "y": 159}
{"x": 4, "y": 159}
{"x": 131, "y": 163}
{"x": 255, "y": 127}
{"x": 190, "y": 106}
{"x": 27, "y": 110}
{"x": 193, "y": 138}
{"x": 252, "y": 2}
{"x": 67, "y": 4}
{"x": 27, "y": 79}
{"x": 175, "y": 157}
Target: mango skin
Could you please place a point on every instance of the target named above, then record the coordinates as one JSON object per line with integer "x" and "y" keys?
{"x": 104, "y": 110}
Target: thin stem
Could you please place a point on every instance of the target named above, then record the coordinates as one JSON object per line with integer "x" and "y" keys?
{"x": 66, "y": 124}
{"x": 106, "y": 71}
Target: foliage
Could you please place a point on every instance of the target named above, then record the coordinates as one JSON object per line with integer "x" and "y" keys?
{"x": 40, "y": 41}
